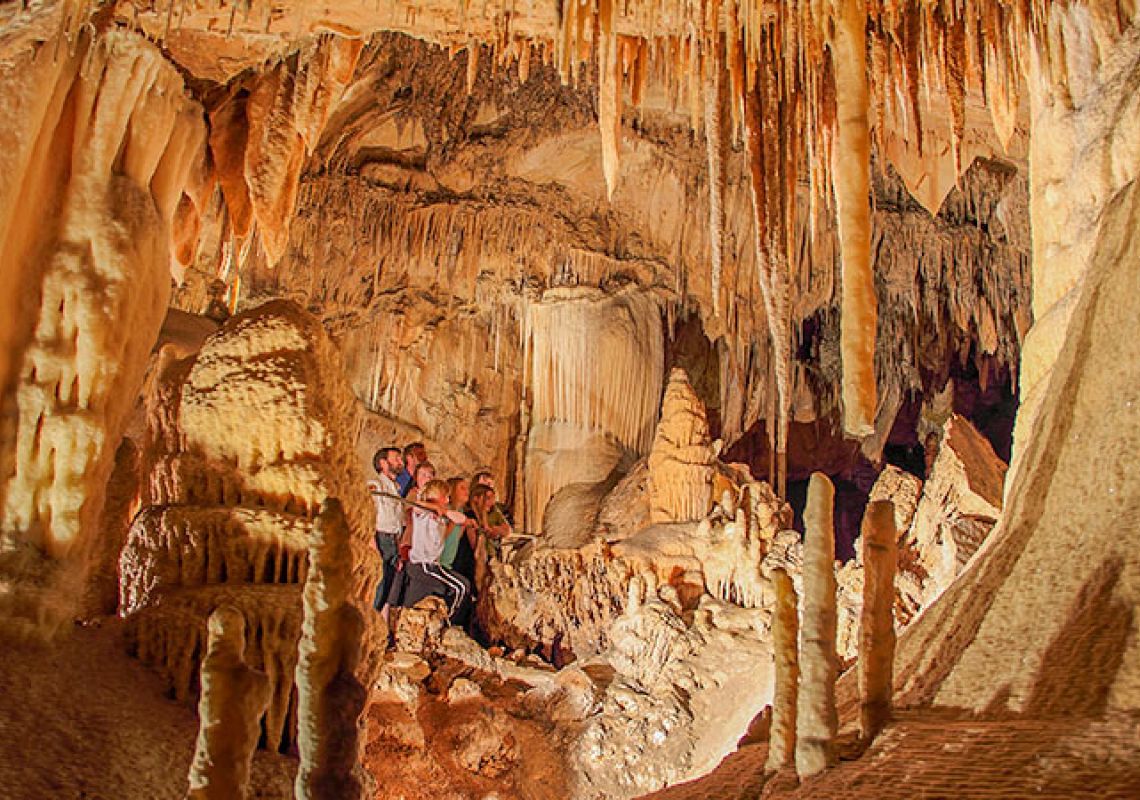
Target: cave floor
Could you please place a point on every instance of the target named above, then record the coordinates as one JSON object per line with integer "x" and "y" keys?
{"x": 79, "y": 718}
{"x": 934, "y": 753}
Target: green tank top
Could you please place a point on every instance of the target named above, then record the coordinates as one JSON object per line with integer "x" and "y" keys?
{"x": 450, "y": 546}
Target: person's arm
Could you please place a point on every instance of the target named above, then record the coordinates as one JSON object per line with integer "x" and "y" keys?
{"x": 455, "y": 516}
{"x": 404, "y": 545}
{"x": 499, "y": 527}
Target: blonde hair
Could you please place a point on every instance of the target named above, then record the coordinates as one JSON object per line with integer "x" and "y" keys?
{"x": 434, "y": 490}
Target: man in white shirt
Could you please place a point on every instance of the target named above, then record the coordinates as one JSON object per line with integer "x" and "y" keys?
{"x": 387, "y": 461}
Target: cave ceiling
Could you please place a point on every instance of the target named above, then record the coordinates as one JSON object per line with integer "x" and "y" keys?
{"x": 369, "y": 157}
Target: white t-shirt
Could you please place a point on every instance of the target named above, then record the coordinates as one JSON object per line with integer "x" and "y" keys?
{"x": 388, "y": 516}
{"x": 428, "y": 533}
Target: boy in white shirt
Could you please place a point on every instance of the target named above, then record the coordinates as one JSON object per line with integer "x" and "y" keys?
{"x": 428, "y": 528}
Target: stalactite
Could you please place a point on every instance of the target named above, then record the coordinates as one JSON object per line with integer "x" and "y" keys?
{"x": 566, "y": 334}
{"x": 816, "y": 716}
{"x": 609, "y": 95}
{"x": 716, "y": 145}
{"x": 472, "y": 65}
{"x": 766, "y": 150}
{"x": 851, "y": 181}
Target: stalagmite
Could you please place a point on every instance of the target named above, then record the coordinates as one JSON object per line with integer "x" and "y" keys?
{"x": 681, "y": 461}
{"x": 330, "y": 697}
{"x": 816, "y": 716}
{"x": 234, "y": 699}
{"x": 851, "y": 182}
{"x": 877, "y": 632}
{"x": 785, "y": 631}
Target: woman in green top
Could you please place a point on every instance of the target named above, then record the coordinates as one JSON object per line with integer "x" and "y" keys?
{"x": 458, "y": 489}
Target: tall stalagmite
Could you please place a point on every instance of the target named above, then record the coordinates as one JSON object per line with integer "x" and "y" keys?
{"x": 330, "y": 698}
{"x": 234, "y": 699}
{"x": 785, "y": 631}
{"x": 877, "y": 631}
{"x": 816, "y": 716}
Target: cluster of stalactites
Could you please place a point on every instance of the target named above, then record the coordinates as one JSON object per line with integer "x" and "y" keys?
{"x": 841, "y": 75}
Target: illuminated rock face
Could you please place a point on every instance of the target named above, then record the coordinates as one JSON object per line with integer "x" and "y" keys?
{"x": 248, "y": 438}
{"x": 959, "y": 506}
{"x": 86, "y": 210}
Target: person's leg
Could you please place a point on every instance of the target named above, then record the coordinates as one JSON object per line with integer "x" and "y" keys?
{"x": 463, "y": 613}
{"x": 386, "y": 544}
{"x": 418, "y": 585}
{"x": 459, "y": 590}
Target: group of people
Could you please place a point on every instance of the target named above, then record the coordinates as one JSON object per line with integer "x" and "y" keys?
{"x": 431, "y": 533}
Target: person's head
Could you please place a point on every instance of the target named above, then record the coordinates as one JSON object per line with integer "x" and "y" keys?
{"x": 483, "y": 478}
{"x": 930, "y": 450}
{"x": 458, "y": 491}
{"x": 434, "y": 492}
{"x": 414, "y": 455}
{"x": 425, "y": 472}
{"x": 387, "y": 461}
{"x": 482, "y": 498}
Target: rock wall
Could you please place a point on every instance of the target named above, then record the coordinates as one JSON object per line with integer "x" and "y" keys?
{"x": 102, "y": 141}
{"x": 246, "y": 441}
{"x": 1040, "y": 623}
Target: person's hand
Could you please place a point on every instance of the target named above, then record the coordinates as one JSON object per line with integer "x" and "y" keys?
{"x": 405, "y": 553}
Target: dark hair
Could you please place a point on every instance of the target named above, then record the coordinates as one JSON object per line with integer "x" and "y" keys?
{"x": 477, "y": 493}
{"x": 381, "y": 455}
{"x": 413, "y": 447}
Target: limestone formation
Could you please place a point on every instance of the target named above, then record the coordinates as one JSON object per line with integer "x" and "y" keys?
{"x": 85, "y": 247}
{"x": 877, "y": 628}
{"x": 902, "y": 490}
{"x": 245, "y": 440}
{"x": 595, "y": 384}
{"x": 680, "y": 463}
{"x": 816, "y": 719}
{"x": 330, "y": 697}
{"x": 233, "y": 699}
{"x": 960, "y": 503}
{"x": 785, "y": 651}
